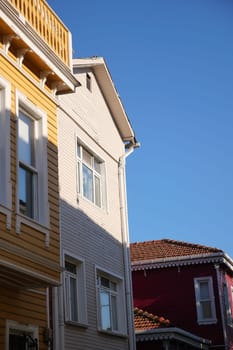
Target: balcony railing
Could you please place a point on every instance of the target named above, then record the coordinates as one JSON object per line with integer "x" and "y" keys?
{"x": 44, "y": 21}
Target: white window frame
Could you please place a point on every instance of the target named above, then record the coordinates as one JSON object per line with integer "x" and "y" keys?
{"x": 80, "y": 288}
{"x": 24, "y": 328}
{"x": 211, "y": 299}
{"x": 5, "y": 176}
{"x": 79, "y": 174}
{"x": 41, "y": 219}
{"x": 120, "y": 301}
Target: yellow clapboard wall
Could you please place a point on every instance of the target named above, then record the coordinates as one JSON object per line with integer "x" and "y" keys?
{"x": 28, "y": 249}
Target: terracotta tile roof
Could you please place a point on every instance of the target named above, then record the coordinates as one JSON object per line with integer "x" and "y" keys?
{"x": 167, "y": 248}
{"x": 143, "y": 320}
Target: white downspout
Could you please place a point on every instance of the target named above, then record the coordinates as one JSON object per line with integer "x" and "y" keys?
{"x": 217, "y": 267}
{"x": 58, "y": 297}
{"x": 58, "y": 339}
{"x": 125, "y": 242}
{"x": 48, "y": 314}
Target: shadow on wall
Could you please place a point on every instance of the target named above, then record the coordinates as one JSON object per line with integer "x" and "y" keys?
{"x": 84, "y": 237}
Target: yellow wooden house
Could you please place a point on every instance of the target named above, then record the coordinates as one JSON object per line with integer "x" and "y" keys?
{"x": 35, "y": 66}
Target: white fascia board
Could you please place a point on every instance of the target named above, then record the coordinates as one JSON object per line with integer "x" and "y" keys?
{"x": 173, "y": 333}
{"x": 113, "y": 100}
{"x": 215, "y": 258}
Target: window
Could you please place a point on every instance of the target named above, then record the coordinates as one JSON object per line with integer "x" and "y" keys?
{"x": 32, "y": 200}
{"x": 21, "y": 337}
{"x": 74, "y": 291}
{"x": 110, "y": 303}
{"x": 28, "y": 174}
{"x": 89, "y": 176}
{"x": 5, "y": 110}
{"x": 88, "y": 82}
{"x": 205, "y": 300}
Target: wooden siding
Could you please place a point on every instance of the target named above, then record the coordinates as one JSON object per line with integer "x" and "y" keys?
{"x": 23, "y": 307}
{"x": 27, "y": 249}
{"x": 31, "y": 239}
{"x": 89, "y": 232}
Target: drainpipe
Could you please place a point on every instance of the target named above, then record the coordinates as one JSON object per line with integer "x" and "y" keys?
{"x": 57, "y": 342}
{"x": 57, "y": 296}
{"x": 125, "y": 241}
{"x": 219, "y": 280}
{"x": 47, "y": 331}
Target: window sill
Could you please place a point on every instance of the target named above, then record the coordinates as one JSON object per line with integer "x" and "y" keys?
{"x": 113, "y": 333}
{"x": 207, "y": 322}
{"x": 76, "y": 324}
{"x": 6, "y": 211}
{"x": 81, "y": 200}
{"x": 22, "y": 219}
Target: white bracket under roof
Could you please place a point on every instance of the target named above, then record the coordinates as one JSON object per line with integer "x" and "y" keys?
{"x": 21, "y": 54}
{"x": 7, "y": 39}
{"x": 44, "y": 76}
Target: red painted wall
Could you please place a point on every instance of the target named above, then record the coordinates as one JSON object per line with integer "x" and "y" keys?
{"x": 169, "y": 292}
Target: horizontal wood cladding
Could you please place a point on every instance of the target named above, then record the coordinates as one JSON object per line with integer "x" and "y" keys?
{"x": 23, "y": 307}
{"x": 32, "y": 238}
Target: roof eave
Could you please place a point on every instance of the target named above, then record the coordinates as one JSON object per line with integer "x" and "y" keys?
{"x": 219, "y": 257}
{"x": 173, "y": 333}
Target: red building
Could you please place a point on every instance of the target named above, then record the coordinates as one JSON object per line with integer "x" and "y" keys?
{"x": 189, "y": 284}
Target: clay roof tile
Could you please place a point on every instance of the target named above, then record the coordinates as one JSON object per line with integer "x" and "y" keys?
{"x": 167, "y": 248}
{"x": 144, "y": 320}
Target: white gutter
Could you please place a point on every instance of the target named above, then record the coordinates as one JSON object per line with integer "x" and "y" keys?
{"x": 125, "y": 242}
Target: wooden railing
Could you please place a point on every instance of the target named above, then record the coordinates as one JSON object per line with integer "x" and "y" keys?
{"x": 44, "y": 21}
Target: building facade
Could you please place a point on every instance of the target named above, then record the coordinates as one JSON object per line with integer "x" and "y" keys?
{"x": 190, "y": 284}
{"x": 35, "y": 66}
{"x": 95, "y": 137}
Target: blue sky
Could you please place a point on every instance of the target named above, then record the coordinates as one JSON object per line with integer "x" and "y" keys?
{"x": 172, "y": 64}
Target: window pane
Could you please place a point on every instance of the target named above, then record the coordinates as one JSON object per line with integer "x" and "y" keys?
{"x": 67, "y": 297}
{"x": 87, "y": 157}
{"x": 206, "y": 309}
{"x": 97, "y": 192}
{"x": 114, "y": 312}
{"x": 21, "y": 340}
{"x": 113, "y": 286}
{"x": 105, "y": 310}
{"x": 25, "y": 141}
{"x": 204, "y": 290}
{"x": 70, "y": 267}
{"x": 78, "y": 150}
{"x": 17, "y": 342}
{"x": 25, "y": 192}
{"x": 73, "y": 299}
{"x": 97, "y": 165}
{"x": 105, "y": 282}
{"x": 78, "y": 177}
{"x": 87, "y": 183}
